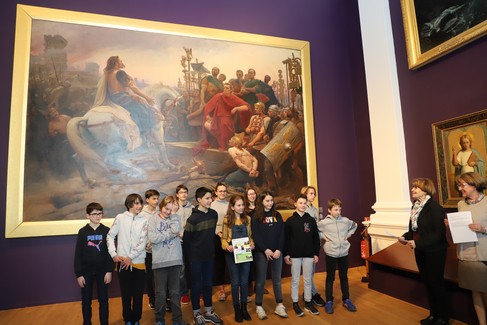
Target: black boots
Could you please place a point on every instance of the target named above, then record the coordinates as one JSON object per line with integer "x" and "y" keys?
{"x": 241, "y": 312}
{"x": 245, "y": 313}
{"x": 238, "y": 313}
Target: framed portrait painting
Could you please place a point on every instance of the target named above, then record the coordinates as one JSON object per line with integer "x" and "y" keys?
{"x": 106, "y": 106}
{"x": 460, "y": 146}
{"x": 437, "y": 27}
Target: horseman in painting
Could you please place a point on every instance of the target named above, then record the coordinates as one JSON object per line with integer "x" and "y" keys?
{"x": 123, "y": 118}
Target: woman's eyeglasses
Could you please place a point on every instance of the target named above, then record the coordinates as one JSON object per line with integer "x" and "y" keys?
{"x": 460, "y": 186}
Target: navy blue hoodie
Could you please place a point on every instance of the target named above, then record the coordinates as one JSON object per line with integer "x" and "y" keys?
{"x": 199, "y": 235}
{"x": 91, "y": 253}
{"x": 269, "y": 233}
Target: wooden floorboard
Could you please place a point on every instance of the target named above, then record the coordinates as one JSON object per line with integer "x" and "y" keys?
{"x": 372, "y": 308}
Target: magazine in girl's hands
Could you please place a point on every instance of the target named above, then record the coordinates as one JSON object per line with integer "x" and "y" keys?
{"x": 241, "y": 250}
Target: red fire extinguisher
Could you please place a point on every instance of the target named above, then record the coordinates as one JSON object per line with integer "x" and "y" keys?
{"x": 363, "y": 249}
{"x": 364, "y": 243}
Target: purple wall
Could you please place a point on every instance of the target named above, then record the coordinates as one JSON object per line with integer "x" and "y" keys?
{"x": 39, "y": 270}
{"x": 451, "y": 86}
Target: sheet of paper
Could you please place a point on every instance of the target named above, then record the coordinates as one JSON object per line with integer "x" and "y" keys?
{"x": 241, "y": 250}
{"x": 458, "y": 222}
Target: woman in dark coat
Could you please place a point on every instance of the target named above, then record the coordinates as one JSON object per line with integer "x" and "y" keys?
{"x": 427, "y": 236}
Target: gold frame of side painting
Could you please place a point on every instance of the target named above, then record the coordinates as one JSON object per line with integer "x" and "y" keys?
{"x": 447, "y": 136}
{"x": 433, "y": 32}
{"x": 44, "y": 196}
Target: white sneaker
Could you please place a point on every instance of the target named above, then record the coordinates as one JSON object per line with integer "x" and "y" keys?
{"x": 281, "y": 311}
{"x": 260, "y": 312}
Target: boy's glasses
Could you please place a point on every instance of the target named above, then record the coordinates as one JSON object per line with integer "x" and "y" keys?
{"x": 96, "y": 214}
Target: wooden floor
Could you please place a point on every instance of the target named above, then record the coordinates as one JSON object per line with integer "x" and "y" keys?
{"x": 372, "y": 308}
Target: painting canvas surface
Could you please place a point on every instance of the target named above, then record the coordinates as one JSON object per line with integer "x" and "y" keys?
{"x": 78, "y": 149}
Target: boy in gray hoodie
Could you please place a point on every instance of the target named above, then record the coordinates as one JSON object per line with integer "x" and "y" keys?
{"x": 335, "y": 230}
{"x": 184, "y": 212}
{"x": 167, "y": 258}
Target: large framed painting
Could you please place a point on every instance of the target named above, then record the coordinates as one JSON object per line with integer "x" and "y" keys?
{"x": 436, "y": 27}
{"x": 106, "y": 106}
{"x": 460, "y": 146}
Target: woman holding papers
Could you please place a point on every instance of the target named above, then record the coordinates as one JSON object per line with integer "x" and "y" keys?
{"x": 236, "y": 225}
{"x": 427, "y": 236}
{"x": 472, "y": 256}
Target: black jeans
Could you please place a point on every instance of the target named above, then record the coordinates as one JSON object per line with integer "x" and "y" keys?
{"x": 149, "y": 277}
{"x": 87, "y": 296}
{"x": 132, "y": 283}
{"x": 331, "y": 266}
{"x": 431, "y": 266}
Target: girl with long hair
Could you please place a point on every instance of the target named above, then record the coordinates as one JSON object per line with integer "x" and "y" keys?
{"x": 268, "y": 232}
{"x": 236, "y": 224}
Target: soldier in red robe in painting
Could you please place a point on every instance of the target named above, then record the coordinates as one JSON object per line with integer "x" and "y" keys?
{"x": 224, "y": 114}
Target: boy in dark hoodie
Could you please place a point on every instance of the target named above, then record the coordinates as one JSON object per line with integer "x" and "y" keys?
{"x": 92, "y": 263}
{"x": 199, "y": 245}
{"x": 302, "y": 250}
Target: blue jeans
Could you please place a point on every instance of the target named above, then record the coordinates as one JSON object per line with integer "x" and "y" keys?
{"x": 331, "y": 266}
{"x": 201, "y": 282}
{"x": 261, "y": 263}
{"x": 184, "y": 276}
{"x": 183, "y": 285}
{"x": 167, "y": 279}
{"x": 239, "y": 278}
{"x": 87, "y": 296}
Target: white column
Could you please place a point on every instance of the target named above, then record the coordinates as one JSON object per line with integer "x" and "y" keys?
{"x": 389, "y": 153}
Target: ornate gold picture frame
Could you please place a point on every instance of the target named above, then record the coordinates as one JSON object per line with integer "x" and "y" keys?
{"x": 435, "y": 28}
{"x": 464, "y": 136}
{"x": 59, "y": 58}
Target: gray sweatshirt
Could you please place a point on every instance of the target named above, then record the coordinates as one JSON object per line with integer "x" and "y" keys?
{"x": 335, "y": 232}
{"x": 163, "y": 233}
{"x": 184, "y": 212}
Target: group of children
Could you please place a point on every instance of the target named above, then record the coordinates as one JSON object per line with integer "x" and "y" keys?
{"x": 146, "y": 243}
